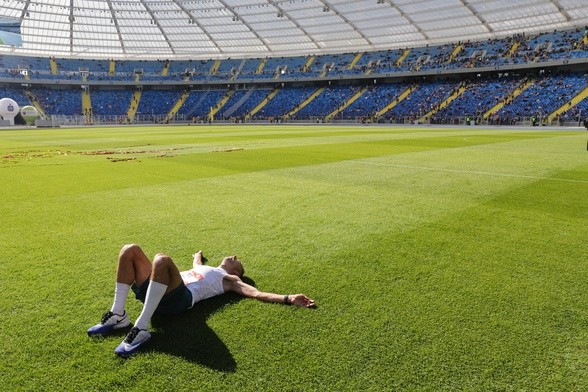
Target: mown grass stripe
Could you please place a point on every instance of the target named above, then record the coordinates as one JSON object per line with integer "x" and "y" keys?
{"x": 442, "y": 260}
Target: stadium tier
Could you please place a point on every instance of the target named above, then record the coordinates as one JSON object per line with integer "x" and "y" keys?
{"x": 509, "y": 80}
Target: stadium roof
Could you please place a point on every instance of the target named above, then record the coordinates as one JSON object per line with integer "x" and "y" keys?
{"x": 204, "y": 29}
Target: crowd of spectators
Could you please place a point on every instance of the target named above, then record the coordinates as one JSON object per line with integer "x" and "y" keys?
{"x": 474, "y": 99}
{"x": 516, "y": 49}
{"x": 541, "y": 96}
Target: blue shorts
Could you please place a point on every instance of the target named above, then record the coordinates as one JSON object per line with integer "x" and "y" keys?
{"x": 174, "y": 302}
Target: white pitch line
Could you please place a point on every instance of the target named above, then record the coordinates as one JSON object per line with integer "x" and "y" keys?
{"x": 470, "y": 172}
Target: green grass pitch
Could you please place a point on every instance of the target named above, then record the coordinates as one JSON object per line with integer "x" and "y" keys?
{"x": 440, "y": 258}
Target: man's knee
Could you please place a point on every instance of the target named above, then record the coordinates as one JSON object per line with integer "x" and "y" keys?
{"x": 161, "y": 261}
{"x": 164, "y": 270}
{"x": 129, "y": 249}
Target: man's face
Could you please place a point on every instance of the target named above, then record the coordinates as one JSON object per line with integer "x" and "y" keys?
{"x": 233, "y": 265}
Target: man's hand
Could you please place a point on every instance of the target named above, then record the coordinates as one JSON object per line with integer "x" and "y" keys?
{"x": 199, "y": 258}
{"x": 302, "y": 301}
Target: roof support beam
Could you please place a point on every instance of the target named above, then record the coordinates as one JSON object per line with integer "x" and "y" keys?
{"x": 346, "y": 20}
{"x": 561, "y": 10}
{"x": 25, "y": 10}
{"x": 114, "y": 20}
{"x": 155, "y": 21}
{"x": 237, "y": 18}
{"x": 283, "y": 13}
{"x": 195, "y": 21}
{"x": 71, "y": 22}
{"x": 483, "y": 21}
{"x": 408, "y": 19}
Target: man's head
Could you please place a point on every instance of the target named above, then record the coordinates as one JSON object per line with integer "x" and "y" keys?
{"x": 233, "y": 266}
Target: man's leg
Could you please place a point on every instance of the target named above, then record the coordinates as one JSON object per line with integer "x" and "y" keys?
{"x": 133, "y": 267}
{"x": 165, "y": 277}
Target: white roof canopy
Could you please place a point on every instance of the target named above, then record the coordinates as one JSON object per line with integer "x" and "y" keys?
{"x": 204, "y": 29}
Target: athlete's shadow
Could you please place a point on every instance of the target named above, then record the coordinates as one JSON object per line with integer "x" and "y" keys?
{"x": 188, "y": 336}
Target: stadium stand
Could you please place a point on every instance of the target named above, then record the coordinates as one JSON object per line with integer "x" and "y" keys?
{"x": 111, "y": 102}
{"x": 498, "y": 94}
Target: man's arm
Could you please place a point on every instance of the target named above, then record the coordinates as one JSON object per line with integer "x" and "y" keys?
{"x": 235, "y": 284}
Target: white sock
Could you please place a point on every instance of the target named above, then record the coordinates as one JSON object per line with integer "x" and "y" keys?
{"x": 154, "y": 295}
{"x": 121, "y": 292}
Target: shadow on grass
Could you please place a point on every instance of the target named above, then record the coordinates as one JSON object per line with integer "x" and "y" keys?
{"x": 188, "y": 336}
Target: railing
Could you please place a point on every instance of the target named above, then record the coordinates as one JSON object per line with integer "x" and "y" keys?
{"x": 527, "y": 121}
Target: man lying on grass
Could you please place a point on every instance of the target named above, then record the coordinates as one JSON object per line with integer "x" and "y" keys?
{"x": 163, "y": 288}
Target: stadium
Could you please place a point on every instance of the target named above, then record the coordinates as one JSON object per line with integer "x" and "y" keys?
{"x": 416, "y": 167}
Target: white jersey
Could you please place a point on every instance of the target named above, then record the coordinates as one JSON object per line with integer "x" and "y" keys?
{"x": 204, "y": 282}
